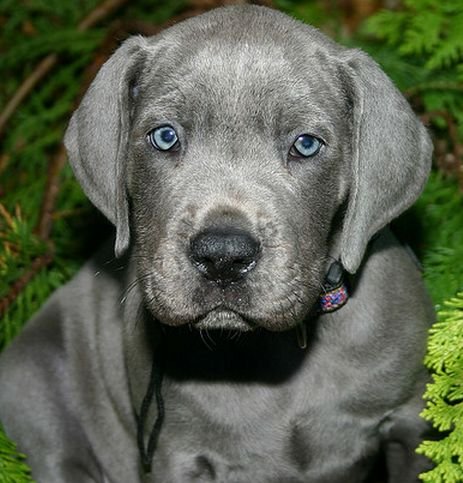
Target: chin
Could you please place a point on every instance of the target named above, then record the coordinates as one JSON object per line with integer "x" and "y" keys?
{"x": 224, "y": 320}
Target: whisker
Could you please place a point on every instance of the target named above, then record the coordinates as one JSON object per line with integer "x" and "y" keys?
{"x": 210, "y": 338}
{"x": 132, "y": 285}
{"x": 204, "y": 340}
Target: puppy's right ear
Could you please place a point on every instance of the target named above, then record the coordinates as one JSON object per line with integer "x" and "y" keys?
{"x": 97, "y": 135}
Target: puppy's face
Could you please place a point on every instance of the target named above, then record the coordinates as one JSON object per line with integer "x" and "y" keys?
{"x": 237, "y": 152}
{"x": 237, "y": 170}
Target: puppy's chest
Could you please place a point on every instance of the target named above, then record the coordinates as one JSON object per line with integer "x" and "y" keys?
{"x": 241, "y": 433}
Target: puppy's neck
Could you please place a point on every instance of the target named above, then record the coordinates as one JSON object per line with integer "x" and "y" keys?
{"x": 258, "y": 356}
{"x": 185, "y": 353}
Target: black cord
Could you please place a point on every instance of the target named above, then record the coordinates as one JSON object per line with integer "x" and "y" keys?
{"x": 154, "y": 389}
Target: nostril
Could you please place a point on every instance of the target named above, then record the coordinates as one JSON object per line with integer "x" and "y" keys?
{"x": 224, "y": 254}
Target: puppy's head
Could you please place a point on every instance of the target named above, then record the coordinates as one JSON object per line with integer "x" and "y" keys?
{"x": 238, "y": 152}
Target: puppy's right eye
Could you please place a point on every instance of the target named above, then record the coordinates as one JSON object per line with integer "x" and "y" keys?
{"x": 164, "y": 138}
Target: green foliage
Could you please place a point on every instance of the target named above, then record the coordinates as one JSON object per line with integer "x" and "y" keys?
{"x": 423, "y": 53}
{"x": 445, "y": 395}
{"x": 12, "y": 466}
{"x": 312, "y": 12}
{"x": 32, "y": 139}
{"x": 439, "y": 213}
{"x": 423, "y": 28}
{"x": 428, "y": 35}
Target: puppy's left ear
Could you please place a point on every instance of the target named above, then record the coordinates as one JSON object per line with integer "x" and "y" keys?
{"x": 391, "y": 156}
{"x": 97, "y": 136}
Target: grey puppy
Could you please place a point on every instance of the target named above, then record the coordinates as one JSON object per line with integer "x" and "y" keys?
{"x": 239, "y": 155}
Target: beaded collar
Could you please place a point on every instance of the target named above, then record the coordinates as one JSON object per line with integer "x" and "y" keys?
{"x": 334, "y": 299}
{"x": 334, "y": 296}
{"x": 335, "y": 290}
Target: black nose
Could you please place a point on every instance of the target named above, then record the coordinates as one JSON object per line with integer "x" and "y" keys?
{"x": 224, "y": 254}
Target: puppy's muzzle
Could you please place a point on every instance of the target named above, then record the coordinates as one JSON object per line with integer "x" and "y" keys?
{"x": 224, "y": 255}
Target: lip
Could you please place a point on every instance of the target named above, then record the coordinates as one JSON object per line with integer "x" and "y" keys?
{"x": 224, "y": 319}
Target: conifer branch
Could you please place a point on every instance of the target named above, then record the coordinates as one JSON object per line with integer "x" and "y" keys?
{"x": 99, "y": 13}
{"x": 55, "y": 166}
{"x": 16, "y": 289}
{"x": 26, "y": 87}
{"x": 47, "y": 64}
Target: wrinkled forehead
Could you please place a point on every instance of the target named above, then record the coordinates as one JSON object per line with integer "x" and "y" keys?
{"x": 236, "y": 77}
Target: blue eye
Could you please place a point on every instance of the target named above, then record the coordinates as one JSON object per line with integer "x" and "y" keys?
{"x": 163, "y": 138}
{"x": 306, "y": 146}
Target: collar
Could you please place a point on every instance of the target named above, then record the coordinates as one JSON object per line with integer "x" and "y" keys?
{"x": 333, "y": 299}
{"x": 335, "y": 295}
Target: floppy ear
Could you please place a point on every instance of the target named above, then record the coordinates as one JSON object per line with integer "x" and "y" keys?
{"x": 391, "y": 156}
{"x": 97, "y": 135}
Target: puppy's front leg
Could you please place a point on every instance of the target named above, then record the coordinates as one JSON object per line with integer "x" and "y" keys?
{"x": 402, "y": 432}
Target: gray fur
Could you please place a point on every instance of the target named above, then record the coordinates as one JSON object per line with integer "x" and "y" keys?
{"x": 243, "y": 401}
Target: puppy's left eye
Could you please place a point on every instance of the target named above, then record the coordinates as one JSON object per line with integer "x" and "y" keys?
{"x": 306, "y": 146}
{"x": 163, "y": 138}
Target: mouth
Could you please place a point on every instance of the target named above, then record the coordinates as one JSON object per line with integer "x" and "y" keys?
{"x": 224, "y": 319}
